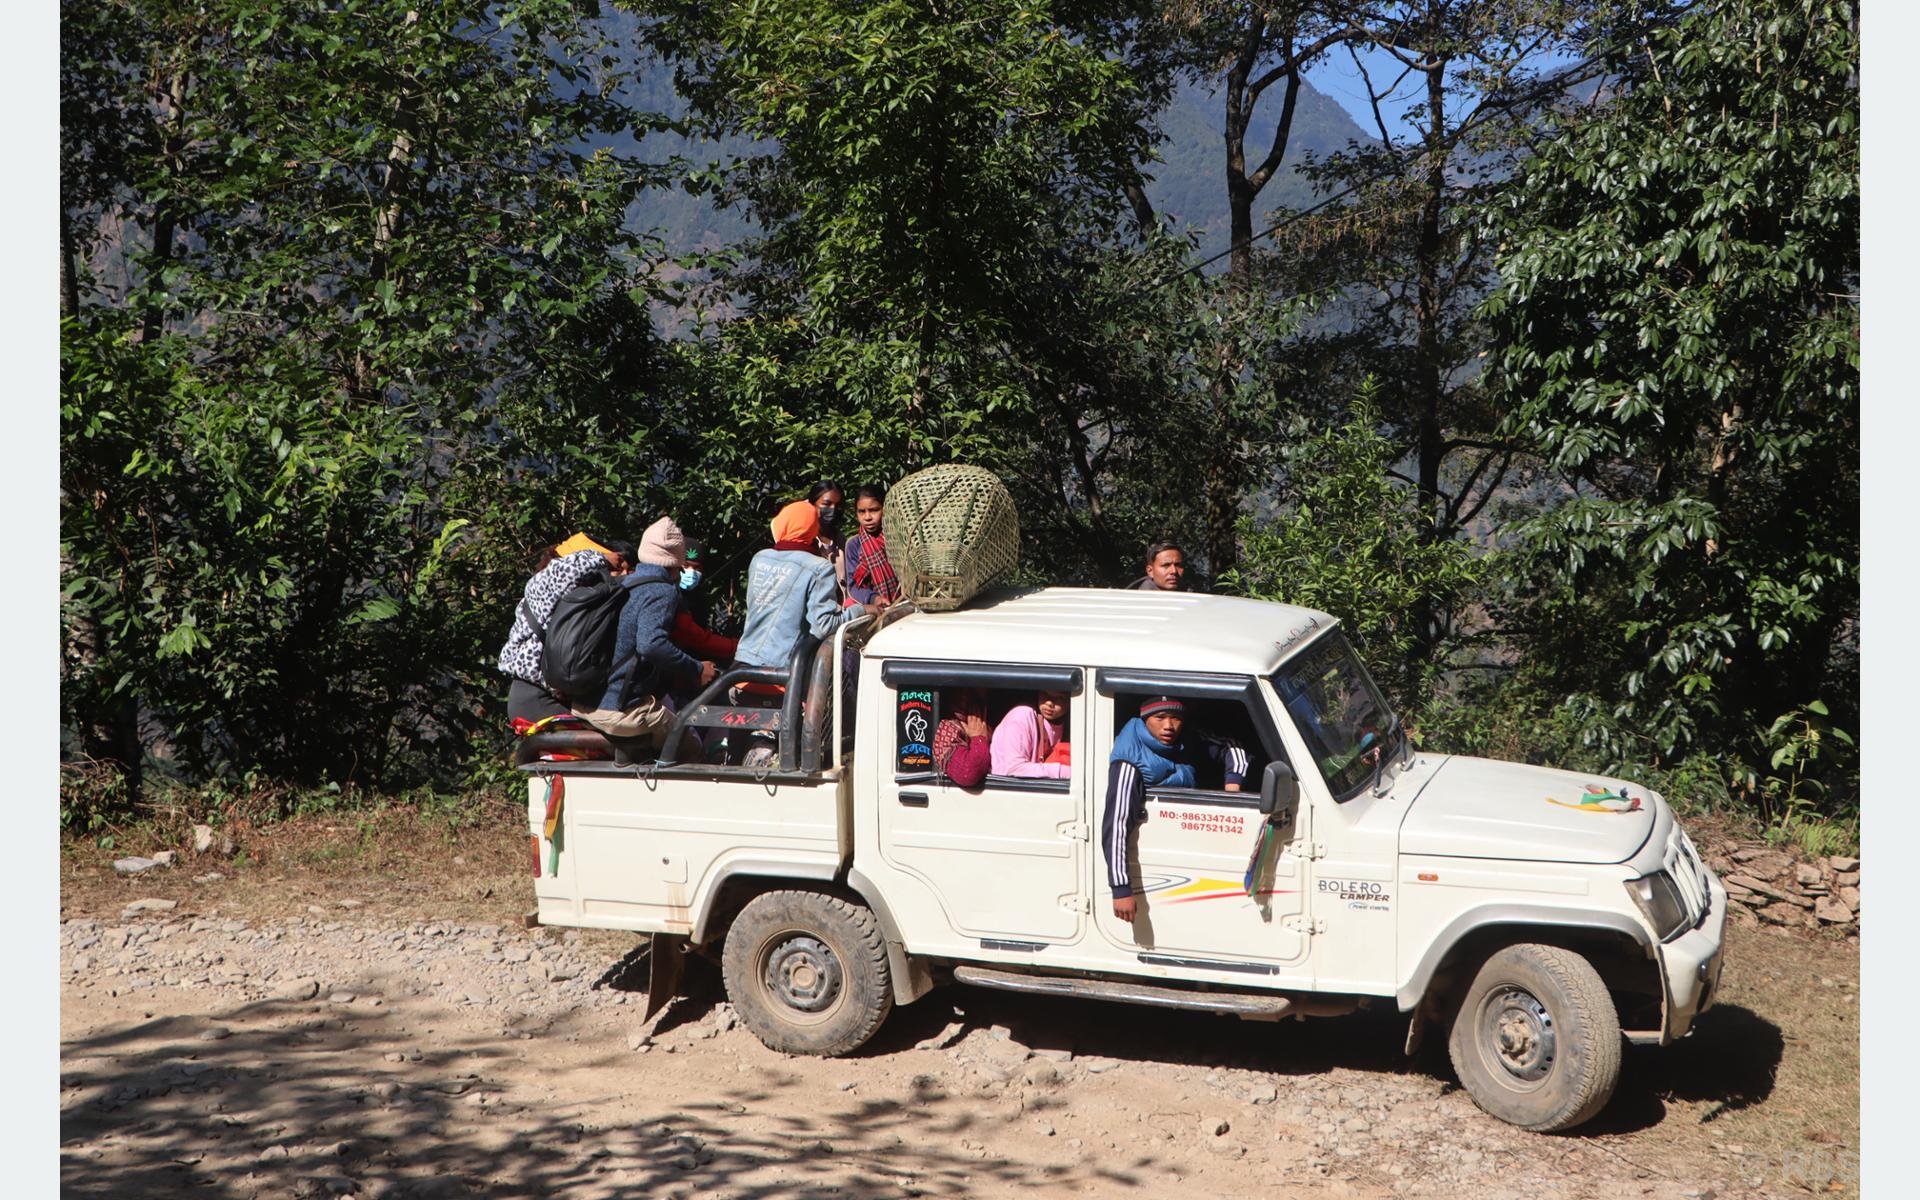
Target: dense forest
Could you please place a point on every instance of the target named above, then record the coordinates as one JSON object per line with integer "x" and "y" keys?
{"x": 1542, "y": 375}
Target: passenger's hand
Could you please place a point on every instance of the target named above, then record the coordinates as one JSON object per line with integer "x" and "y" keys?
{"x": 975, "y": 727}
{"x": 1125, "y": 906}
{"x": 1232, "y": 787}
{"x": 877, "y": 607}
{"x": 708, "y": 673}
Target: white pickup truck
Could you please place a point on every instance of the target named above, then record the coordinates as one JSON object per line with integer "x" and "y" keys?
{"x": 1539, "y": 917}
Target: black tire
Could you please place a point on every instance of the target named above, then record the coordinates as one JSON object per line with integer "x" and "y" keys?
{"x": 1536, "y": 1040}
{"x": 808, "y": 972}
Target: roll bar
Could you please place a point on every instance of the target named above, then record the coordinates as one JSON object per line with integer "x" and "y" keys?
{"x": 704, "y": 713}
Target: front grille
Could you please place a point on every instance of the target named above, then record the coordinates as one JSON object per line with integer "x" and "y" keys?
{"x": 1689, "y": 874}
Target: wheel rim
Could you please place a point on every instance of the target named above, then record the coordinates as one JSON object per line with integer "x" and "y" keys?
{"x": 802, "y": 977}
{"x": 1517, "y": 1035}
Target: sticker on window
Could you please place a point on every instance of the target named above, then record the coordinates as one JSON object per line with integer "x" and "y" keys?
{"x": 915, "y": 721}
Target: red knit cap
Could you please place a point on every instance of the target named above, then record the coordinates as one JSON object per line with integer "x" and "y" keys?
{"x": 1163, "y": 704}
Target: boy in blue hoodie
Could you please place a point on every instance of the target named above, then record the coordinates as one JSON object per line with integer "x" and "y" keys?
{"x": 1151, "y": 752}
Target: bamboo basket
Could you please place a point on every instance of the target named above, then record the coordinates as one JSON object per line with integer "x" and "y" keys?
{"x": 951, "y": 532}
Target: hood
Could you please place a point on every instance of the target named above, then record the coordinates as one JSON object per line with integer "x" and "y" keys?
{"x": 650, "y": 573}
{"x": 1480, "y": 808}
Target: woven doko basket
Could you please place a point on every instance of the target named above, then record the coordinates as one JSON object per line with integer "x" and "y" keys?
{"x": 951, "y": 531}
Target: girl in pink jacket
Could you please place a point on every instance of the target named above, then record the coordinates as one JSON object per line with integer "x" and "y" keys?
{"x": 1029, "y": 736}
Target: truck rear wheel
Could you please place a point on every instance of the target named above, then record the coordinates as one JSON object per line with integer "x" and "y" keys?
{"x": 1536, "y": 1041}
{"x": 808, "y": 972}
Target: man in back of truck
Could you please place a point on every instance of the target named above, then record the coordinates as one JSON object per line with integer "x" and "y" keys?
{"x": 559, "y": 567}
{"x": 1166, "y": 569}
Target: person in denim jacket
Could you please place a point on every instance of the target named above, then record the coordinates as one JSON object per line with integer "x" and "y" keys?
{"x": 791, "y": 591}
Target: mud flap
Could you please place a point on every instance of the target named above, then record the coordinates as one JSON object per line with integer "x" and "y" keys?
{"x": 666, "y": 970}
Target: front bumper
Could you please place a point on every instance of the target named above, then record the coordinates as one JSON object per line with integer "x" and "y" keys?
{"x": 1690, "y": 966}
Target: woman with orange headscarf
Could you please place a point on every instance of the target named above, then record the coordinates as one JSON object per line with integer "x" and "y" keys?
{"x": 791, "y": 591}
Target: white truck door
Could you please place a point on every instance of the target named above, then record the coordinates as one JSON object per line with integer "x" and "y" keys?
{"x": 1005, "y": 859}
{"x": 1189, "y": 857}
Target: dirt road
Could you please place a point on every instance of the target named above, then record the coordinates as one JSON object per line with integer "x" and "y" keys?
{"x": 347, "y": 1052}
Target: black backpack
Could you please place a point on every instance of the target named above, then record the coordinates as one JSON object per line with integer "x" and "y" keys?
{"x": 576, "y": 643}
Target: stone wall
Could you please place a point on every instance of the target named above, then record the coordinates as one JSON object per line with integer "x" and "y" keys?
{"x": 1780, "y": 888}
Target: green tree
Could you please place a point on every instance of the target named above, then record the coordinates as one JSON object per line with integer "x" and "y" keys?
{"x": 359, "y": 237}
{"x": 1455, "y": 90}
{"x": 1257, "y": 56}
{"x": 1677, "y": 332}
{"x": 951, "y": 268}
{"x": 1353, "y": 542}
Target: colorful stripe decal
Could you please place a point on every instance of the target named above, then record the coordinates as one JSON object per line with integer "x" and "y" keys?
{"x": 1213, "y": 889}
{"x": 1234, "y": 893}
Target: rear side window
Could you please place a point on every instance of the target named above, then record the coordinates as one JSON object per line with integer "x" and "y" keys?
{"x": 940, "y": 708}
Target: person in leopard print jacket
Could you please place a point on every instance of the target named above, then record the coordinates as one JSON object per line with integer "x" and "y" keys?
{"x": 560, "y": 568}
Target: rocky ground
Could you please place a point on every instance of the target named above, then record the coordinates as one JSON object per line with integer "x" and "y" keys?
{"x": 1779, "y": 889}
{"x": 343, "y": 1048}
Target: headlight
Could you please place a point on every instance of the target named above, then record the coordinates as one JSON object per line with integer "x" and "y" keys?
{"x": 1660, "y": 900}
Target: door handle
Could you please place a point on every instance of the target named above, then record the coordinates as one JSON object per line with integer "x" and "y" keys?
{"x": 914, "y": 799}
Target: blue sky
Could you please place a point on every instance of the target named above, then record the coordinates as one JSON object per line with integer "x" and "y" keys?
{"x": 1337, "y": 77}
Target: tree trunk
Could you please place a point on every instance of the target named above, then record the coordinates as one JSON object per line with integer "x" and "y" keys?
{"x": 1429, "y": 371}
{"x": 1429, "y": 383}
{"x": 1223, "y": 487}
{"x": 69, "y": 275}
{"x": 111, "y": 732}
{"x": 1240, "y": 190}
{"x": 164, "y": 221}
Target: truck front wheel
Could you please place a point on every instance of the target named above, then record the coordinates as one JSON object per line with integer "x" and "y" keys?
{"x": 807, "y": 972}
{"x": 1536, "y": 1041}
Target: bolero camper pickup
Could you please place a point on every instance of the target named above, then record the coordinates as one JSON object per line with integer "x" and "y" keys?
{"x": 1535, "y": 918}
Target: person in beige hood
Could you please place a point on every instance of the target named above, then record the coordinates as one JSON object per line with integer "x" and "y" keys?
{"x": 634, "y": 712}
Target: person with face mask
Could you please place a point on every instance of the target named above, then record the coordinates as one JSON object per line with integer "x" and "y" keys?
{"x": 687, "y": 632}
{"x": 635, "y": 711}
{"x": 690, "y": 575}
{"x": 829, "y": 501}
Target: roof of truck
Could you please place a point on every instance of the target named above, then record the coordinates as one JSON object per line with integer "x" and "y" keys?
{"x": 1107, "y": 627}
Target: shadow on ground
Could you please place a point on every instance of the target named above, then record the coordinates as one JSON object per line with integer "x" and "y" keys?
{"x": 1729, "y": 1062}
{"x": 298, "y": 1100}
{"x": 310, "y": 1100}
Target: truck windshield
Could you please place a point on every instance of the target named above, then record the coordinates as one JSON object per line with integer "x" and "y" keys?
{"x": 1339, "y": 712}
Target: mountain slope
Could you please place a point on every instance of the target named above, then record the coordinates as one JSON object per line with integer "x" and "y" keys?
{"x": 1190, "y": 185}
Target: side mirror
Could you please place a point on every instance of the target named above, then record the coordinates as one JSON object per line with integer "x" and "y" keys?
{"x": 1279, "y": 791}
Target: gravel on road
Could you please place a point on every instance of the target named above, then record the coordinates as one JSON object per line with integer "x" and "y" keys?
{"x": 344, "y": 1055}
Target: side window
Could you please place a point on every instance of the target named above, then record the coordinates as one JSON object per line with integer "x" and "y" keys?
{"x": 1218, "y": 738}
{"x": 977, "y": 725}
